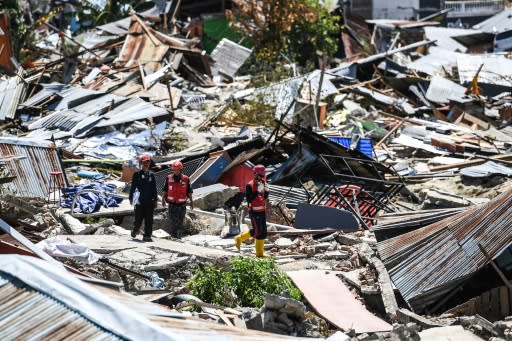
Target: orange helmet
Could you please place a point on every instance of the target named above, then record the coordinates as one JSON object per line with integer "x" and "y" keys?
{"x": 177, "y": 165}
{"x": 144, "y": 157}
{"x": 260, "y": 170}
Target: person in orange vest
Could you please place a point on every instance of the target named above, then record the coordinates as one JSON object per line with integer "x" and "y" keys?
{"x": 175, "y": 193}
{"x": 143, "y": 196}
{"x": 256, "y": 194}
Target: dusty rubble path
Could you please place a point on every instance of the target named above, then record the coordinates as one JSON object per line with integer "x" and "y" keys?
{"x": 106, "y": 244}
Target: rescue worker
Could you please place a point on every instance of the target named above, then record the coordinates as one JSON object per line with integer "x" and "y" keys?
{"x": 146, "y": 199}
{"x": 175, "y": 193}
{"x": 256, "y": 194}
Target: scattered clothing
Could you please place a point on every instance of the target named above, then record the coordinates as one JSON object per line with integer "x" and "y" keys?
{"x": 101, "y": 195}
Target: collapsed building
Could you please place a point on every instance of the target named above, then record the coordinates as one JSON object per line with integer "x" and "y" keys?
{"x": 362, "y": 158}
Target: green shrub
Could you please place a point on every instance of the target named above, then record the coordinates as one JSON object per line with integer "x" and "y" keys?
{"x": 246, "y": 283}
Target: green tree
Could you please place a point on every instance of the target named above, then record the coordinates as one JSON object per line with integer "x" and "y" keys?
{"x": 298, "y": 28}
{"x": 18, "y": 28}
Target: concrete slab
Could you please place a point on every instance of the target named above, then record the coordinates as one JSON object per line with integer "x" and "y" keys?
{"x": 210, "y": 240}
{"x": 111, "y": 243}
{"x": 292, "y": 264}
{"x": 449, "y": 333}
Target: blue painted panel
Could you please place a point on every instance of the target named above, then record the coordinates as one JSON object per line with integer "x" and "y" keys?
{"x": 365, "y": 145}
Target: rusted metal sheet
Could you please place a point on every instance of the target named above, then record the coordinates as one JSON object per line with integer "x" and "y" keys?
{"x": 142, "y": 47}
{"x": 31, "y": 161}
{"x": 332, "y": 300}
{"x": 429, "y": 263}
{"x": 5, "y": 42}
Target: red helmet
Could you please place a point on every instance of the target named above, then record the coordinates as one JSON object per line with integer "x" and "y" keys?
{"x": 260, "y": 170}
{"x": 144, "y": 157}
{"x": 177, "y": 165}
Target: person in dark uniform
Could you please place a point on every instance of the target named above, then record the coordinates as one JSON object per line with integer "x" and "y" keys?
{"x": 144, "y": 197}
{"x": 175, "y": 193}
{"x": 256, "y": 194}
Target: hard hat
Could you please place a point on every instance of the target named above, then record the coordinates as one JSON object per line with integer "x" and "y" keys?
{"x": 260, "y": 170}
{"x": 177, "y": 165}
{"x": 144, "y": 157}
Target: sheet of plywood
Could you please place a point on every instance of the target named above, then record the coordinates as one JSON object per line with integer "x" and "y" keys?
{"x": 333, "y": 301}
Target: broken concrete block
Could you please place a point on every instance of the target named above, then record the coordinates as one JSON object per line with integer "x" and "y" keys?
{"x": 338, "y": 336}
{"x": 347, "y": 239}
{"x": 283, "y": 318}
{"x": 436, "y": 198}
{"x": 284, "y": 305}
{"x": 370, "y": 290}
{"x": 73, "y": 225}
{"x": 274, "y": 302}
{"x": 162, "y": 264}
{"x": 294, "y": 308}
{"x": 214, "y": 196}
{"x": 405, "y": 315}
{"x": 255, "y": 323}
{"x": 283, "y": 242}
{"x": 336, "y": 254}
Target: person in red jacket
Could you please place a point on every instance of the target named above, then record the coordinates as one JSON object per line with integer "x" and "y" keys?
{"x": 175, "y": 193}
{"x": 256, "y": 194}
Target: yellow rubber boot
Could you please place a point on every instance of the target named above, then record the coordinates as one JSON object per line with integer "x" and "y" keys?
{"x": 242, "y": 237}
{"x": 260, "y": 245}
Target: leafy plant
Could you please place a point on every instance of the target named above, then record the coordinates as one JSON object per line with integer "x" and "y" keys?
{"x": 19, "y": 29}
{"x": 293, "y": 27}
{"x": 247, "y": 282}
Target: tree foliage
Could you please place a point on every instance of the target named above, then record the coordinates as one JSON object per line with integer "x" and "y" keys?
{"x": 18, "y": 28}
{"x": 298, "y": 28}
{"x": 247, "y": 282}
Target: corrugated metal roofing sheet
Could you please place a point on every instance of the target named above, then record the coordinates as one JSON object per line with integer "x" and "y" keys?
{"x": 281, "y": 95}
{"x": 441, "y": 90}
{"x": 41, "y": 301}
{"x": 12, "y": 91}
{"x": 141, "y": 47}
{"x": 497, "y": 69}
{"x": 31, "y": 161}
{"x": 497, "y": 23}
{"x": 427, "y": 263}
{"x": 66, "y": 93}
{"x": 487, "y": 169}
{"x": 132, "y": 110}
{"x": 438, "y": 62}
{"x": 443, "y": 37}
{"x": 120, "y": 27}
{"x": 229, "y": 57}
{"x": 30, "y": 315}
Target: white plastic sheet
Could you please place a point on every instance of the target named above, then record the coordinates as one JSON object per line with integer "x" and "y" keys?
{"x": 63, "y": 248}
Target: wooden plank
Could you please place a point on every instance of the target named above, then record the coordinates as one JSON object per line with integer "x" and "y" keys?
{"x": 224, "y": 318}
{"x": 504, "y": 301}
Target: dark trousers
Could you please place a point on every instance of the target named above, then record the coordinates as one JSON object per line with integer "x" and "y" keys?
{"x": 176, "y": 218}
{"x": 259, "y": 225}
{"x": 144, "y": 212}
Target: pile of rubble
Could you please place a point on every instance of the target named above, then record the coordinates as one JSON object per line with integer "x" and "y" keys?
{"x": 389, "y": 174}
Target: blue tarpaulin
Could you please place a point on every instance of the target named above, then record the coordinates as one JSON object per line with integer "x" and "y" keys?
{"x": 90, "y": 202}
